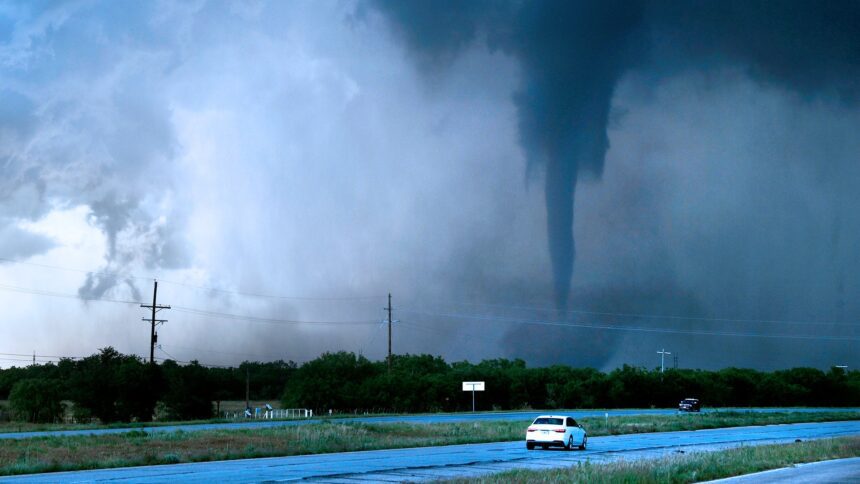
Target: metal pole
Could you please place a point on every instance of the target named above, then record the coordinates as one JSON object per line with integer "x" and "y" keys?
{"x": 473, "y": 398}
{"x": 663, "y": 354}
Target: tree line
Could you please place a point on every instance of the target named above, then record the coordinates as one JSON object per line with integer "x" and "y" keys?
{"x": 423, "y": 383}
{"x": 111, "y": 387}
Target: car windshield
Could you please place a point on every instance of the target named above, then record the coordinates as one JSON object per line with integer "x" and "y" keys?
{"x": 690, "y": 400}
{"x": 548, "y": 421}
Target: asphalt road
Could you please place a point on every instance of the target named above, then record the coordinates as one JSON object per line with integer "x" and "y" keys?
{"x": 429, "y": 463}
{"x": 825, "y": 472}
{"x": 423, "y": 419}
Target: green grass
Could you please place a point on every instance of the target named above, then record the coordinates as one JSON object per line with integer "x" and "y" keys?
{"x": 14, "y": 426}
{"x": 633, "y": 424}
{"x": 688, "y": 468}
{"x": 44, "y": 454}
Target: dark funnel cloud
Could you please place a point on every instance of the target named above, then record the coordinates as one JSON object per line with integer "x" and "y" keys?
{"x": 573, "y": 54}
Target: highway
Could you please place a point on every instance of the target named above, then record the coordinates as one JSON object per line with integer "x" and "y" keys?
{"x": 420, "y": 419}
{"x": 430, "y": 463}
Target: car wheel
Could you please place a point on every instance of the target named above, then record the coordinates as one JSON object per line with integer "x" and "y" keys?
{"x": 584, "y": 440}
{"x": 530, "y": 446}
{"x": 569, "y": 444}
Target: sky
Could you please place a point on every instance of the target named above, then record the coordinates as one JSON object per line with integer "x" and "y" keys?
{"x": 582, "y": 183}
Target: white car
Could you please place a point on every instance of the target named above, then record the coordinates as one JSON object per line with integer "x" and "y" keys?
{"x": 557, "y": 430}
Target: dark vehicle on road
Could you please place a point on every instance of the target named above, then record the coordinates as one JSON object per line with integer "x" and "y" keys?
{"x": 690, "y": 405}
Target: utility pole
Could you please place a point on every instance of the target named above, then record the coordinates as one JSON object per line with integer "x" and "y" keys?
{"x": 153, "y": 337}
{"x": 663, "y": 354}
{"x": 675, "y": 361}
{"x": 34, "y": 357}
{"x": 247, "y": 387}
{"x": 389, "y": 332}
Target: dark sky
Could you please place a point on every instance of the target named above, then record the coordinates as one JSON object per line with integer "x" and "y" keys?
{"x": 566, "y": 182}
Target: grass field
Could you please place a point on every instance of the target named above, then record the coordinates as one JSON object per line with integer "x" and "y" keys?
{"x": 687, "y": 468}
{"x": 15, "y": 426}
{"x": 237, "y": 405}
{"x": 44, "y": 454}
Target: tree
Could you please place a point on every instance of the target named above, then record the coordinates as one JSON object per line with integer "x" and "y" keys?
{"x": 114, "y": 387}
{"x": 190, "y": 391}
{"x": 332, "y": 381}
{"x": 139, "y": 386}
{"x": 37, "y": 400}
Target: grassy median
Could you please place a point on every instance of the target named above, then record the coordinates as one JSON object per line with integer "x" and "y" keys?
{"x": 46, "y": 454}
{"x": 688, "y": 468}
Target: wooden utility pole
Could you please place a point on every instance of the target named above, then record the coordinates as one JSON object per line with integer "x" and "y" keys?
{"x": 153, "y": 337}
{"x": 389, "y": 332}
{"x": 247, "y": 388}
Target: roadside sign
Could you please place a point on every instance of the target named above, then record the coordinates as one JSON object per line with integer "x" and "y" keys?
{"x": 473, "y": 386}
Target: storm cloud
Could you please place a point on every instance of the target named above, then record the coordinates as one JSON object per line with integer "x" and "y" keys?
{"x": 573, "y": 55}
{"x": 351, "y": 149}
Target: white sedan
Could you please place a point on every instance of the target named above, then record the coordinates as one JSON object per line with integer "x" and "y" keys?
{"x": 557, "y": 430}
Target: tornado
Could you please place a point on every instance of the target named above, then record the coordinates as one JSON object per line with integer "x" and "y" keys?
{"x": 572, "y": 54}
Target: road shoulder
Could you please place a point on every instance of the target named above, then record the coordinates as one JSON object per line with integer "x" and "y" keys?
{"x": 823, "y": 472}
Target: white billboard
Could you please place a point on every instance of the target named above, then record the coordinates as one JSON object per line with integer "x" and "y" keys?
{"x": 473, "y": 386}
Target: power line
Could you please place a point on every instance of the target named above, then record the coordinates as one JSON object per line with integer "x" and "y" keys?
{"x": 38, "y": 359}
{"x": 420, "y": 327}
{"x": 40, "y": 292}
{"x": 81, "y": 271}
{"x": 33, "y": 358}
{"x": 166, "y": 353}
{"x": 275, "y": 296}
{"x": 41, "y": 356}
{"x": 231, "y": 353}
{"x": 371, "y": 338}
{"x": 182, "y": 309}
{"x": 189, "y": 362}
{"x": 357, "y": 298}
{"x": 254, "y": 319}
{"x": 52, "y": 358}
{"x": 645, "y": 316}
{"x": 630, "y": 328}
{"x": 20, "y": 359}
{"x": 371, "y": 297}
{"x": 192, "y": 286}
